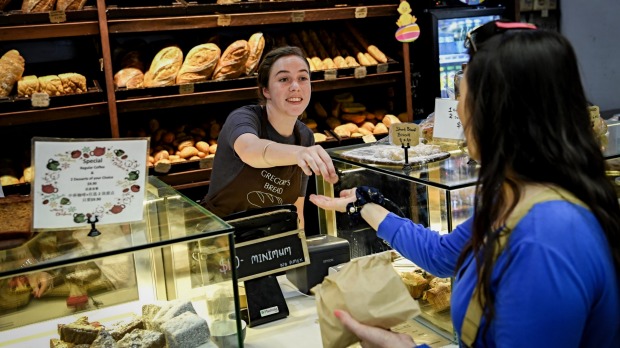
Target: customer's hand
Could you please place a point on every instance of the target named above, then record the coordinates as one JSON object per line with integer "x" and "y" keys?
{"x": 338, "y": 203}
{"x": 374, "y": 337}
{"x": 40, "y": 282}
{"x": 314, "y": 159}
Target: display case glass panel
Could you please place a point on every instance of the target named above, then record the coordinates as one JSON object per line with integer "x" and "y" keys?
{"x": 109, "y": 278}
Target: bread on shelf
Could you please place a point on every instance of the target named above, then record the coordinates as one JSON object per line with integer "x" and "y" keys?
{"x": 164, "y": 67}
{"x": 129, "y": 78}
{"x": 232, "y": 62}
{"x": 27, "y": 85}
{"x": 70, "y": 5}
{"x": 51, "y": 84}
{"x": 34, "y": 6}
{"x": 73, "y": 83}
{"x": 12, "y": 66}
{"x": 199, "y": 64}
{"x": 256, "y": 45}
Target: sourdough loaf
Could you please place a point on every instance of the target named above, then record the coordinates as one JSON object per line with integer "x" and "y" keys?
{"x": 199, "y": 64}
{"x": 129, "y": 78}
{"x": 164, "y": 67}
{"x": 73, "y": 83}
{"x": 33, "y": 6}
{"x": 232, "y": 62}
{"x": 256, "y": 45}
{"x": 11, "y": 70}
{"x": 70, "y": 5}
{"x": 27, "y": 86}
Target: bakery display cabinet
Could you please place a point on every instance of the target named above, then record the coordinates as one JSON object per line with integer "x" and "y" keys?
{"x": 163, "y": 280}
{"x": 437, "y": 194}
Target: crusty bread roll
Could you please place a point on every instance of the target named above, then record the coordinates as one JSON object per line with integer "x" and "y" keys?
{"x": 232, "y": 62}
{"x": 73, "y": 83}
{"x": 199, "y": 64}
{"x": 377, "y": 54}
{"x": 51, "y": 85}
{"x": 340, "y": 62}
{"x": 164, "y": 67}
{"x": 11, "y": 70}
{"x": 389, "y": 120}
{"x": 70, "y": 5}
{"x": 351, "y": 62}
{"x": 256, "y": 45}
{"x": 370, "y": 58}
{"x": 328, "y": 63}
{"x": 27, "y": 86}
{"x": 363, "y": 59}
{"x": 129, "y": 78}
{"x": 33, "y": 6}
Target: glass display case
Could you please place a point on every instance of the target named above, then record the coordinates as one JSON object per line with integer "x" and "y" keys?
{"x": 438, "y": 195}
{"x": 168, "y": 274}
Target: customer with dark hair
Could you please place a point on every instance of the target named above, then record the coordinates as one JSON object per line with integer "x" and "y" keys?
{"x": 265, "y": 153}
{"x": 540, "y": 259}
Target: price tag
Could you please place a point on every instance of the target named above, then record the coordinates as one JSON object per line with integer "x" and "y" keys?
{"x": 405, "y": 134}
{"x": 447, "y": 122}
{"x": 57, "y": 16}
{"x": 360, "y": 72}
{"x": 369, "y": 138}
{"x": 298, "y": 16}
{"x": 186, "y": 89}
{"x": 361, "y": 12}
{"x": 40, "y": 100}
{"x": 331, "y": 74}
{"x": 544, "y": 13}
{"x": 381, "y": 68}
{"x": 101, "y": 64}
{"x": 223, "y": 20}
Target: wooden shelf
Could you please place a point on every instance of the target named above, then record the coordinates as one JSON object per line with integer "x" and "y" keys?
{"x": 44, "y": 31}
{"x": 134, "y": 25}
{"x": 53, "y": 114}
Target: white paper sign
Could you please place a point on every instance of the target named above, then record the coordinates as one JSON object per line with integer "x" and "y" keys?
{"x": 447, "y": 122}
{"x": 78, "y": 182}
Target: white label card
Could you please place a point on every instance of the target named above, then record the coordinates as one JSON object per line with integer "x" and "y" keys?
{"x": 298, "y": 16}
{"x": 223, "y": 20}
{"x": 404, "y": 134}
{"x": 330, "y": 74}
{"x": 186, "y": 88}
{"x": 369, "y": 138}
{"x": 84, "y": 181}
{"x": 381, "y": 68}
{"x": 447, "y": 122}
{"x": 40, "y": 100}
{"x": 57, "y": 16}
{"x": 360, "y": 72}
{"x": 361, "y": 12}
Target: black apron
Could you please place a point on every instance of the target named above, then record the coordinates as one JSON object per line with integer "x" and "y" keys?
{"x": 259, "y": 187}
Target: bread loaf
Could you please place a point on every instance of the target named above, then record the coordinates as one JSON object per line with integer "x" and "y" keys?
{"x": 199, "y": 64}
{"x": 51, "y": 85}
{"x": 27, "y": 86}
{"x": 33, "y": 6}
{"x": 129, "y": 78}
{"x": 351, "y": 62}
{"x": 73, "y": 83}
{"x": 164, "y": 67}
{"x": 70, "y": 5}
{"x": 11, "y": 70}
{"x": 371, "y": 59}
{"x": 232, "y": 62}
{"x": 377, "y": 54}
{"x": 256, "y": 45}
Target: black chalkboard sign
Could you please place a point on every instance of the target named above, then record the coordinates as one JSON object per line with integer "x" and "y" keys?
{"x": 273, "y": 254}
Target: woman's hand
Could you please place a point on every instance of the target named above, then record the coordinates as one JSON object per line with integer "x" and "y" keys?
{"x": 314, "y": 159}
{"x": 374, "y": 337}
{"x": 337, "y": 204}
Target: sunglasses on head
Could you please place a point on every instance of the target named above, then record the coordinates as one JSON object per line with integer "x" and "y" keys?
{"x": 485, "y": 31}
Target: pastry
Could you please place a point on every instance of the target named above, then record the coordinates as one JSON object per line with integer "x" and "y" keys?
{"x": 232, "y": 62}
{"x": 79, "y": 332}
{"x": 186, "y": 330}
{"x": 415, "y": 283}
{"x": 51, "y": 84}
{"x": 119, "y": 330}
{"x": 27, "y": 86}
{"x": 199, "y": 64}
{"x": 164, "y": 67}
{"x": 11, "y": 69}
{"x": 73, "y": 83}
{"x": 104, "y": 340}
{"x": 256, "y": 45}
{"x": 143, "y": 339}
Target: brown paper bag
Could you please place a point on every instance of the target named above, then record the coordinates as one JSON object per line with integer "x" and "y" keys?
{"x": 370, "y": 290}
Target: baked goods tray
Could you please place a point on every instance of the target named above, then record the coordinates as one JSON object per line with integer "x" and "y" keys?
{"x": 392, "y": 155}
{"x": 17, "y": 17}
{"x": 15, "y": 104}
{"x": 206, "y": 86}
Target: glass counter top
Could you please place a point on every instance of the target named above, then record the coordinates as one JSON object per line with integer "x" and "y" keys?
{"x": 169, "y": 218}
{"x": 454, "y": 172}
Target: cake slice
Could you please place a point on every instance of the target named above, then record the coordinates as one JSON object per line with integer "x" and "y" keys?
{"x": 186, "y": 330}
{"x": 79, "y": 332}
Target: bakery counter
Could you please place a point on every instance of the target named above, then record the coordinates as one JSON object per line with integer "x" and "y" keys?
{"x": 134, "y": 25}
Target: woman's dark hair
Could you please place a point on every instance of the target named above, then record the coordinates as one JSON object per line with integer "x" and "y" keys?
{"x": 264, "y": 69}
{"x": 530, "y": 123}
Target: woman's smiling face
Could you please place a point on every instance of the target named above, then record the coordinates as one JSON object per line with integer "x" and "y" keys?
{"x": 289, "y": 86}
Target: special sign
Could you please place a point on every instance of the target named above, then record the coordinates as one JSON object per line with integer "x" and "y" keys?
{"x": 404, "y": 134}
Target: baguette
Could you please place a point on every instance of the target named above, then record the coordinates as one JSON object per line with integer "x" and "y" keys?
{"x": 232, "y": 62}
{"x": 11, "y": 70}
{"x": 377, "y": 54}
{"x": 199, "y": 64}
{"x": 164, "y": 67}
{"x": 370, "y": 59}
{"x": 361, "y": 57}
{"x": 256, "y": 45}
